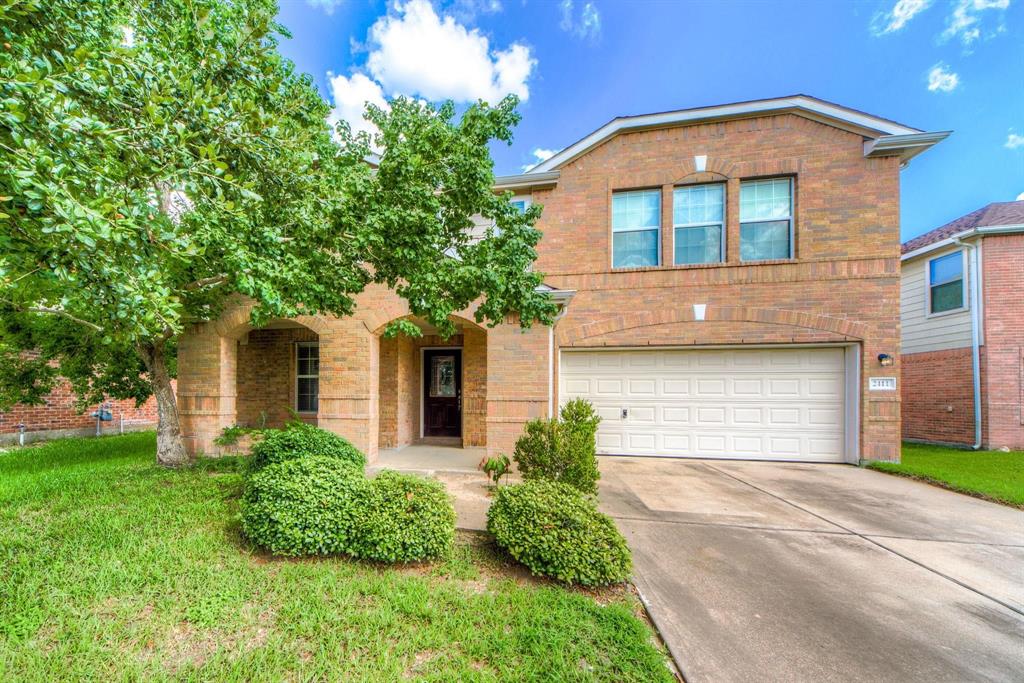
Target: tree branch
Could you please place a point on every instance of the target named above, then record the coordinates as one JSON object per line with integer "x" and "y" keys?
{"x": 207, "y": 282}
{"x": 55, "y": 311}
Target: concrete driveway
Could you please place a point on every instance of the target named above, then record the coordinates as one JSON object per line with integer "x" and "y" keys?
{"x": 795, "y": 572}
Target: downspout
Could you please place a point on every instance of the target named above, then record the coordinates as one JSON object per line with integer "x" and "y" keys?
{"x": 551, "y": 360}
{"x": 973, "y": 282}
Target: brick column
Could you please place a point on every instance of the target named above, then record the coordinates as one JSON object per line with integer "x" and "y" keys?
{"x": 517, "y": 382}
{"x": 207, "y": 364}
{"x": 349, "y": 384}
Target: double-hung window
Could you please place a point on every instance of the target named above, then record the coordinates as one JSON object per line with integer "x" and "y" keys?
{"x": 946, "y": 283}
{"x": 698, "y": 219}
{"x": 307, "y": 377}
{"x": 636, "y": 227}
{"x": 766, "y": 219}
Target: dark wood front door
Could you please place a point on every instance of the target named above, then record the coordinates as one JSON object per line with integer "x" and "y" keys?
{"x": 442, "y": 392}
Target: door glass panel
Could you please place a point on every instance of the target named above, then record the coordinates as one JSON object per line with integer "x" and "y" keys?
{"x": 442, "y": 376}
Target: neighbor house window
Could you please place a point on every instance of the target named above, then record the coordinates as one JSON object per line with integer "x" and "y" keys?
{"x": 636, "y": 221}
{"x": 307, "y": 374}
{"x": 698, "y": 217}
{"x": 946, "y": 283}
{"x": 766, "y": 219}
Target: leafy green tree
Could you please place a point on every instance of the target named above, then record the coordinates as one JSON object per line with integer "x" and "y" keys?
{"x": 159, "y": 158}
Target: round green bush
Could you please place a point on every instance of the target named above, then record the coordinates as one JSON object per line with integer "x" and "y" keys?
{"x": 406, "y": 519}
{"x": 556, "y": 531}
{"x": 299, "y": 440}
{"x": 305, "y": 506}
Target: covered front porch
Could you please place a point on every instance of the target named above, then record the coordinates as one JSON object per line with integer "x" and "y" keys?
{"x": 423, "y": 402}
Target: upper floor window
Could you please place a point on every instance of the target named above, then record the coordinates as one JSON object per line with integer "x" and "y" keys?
{"x": 307, "y": 377}
{"x": 766, "y": 219}
{"x": 698, "y": 218}
{"x": 946, "y": 283}
{"x": 636, "y": 221}
{"x": 520, "y": 204}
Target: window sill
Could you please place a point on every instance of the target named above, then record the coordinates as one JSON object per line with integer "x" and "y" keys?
{"x": 943, "y": 314}
{"x": 704, "y": 266}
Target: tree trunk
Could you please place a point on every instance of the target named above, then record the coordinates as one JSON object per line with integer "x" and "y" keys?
{"x": 170, "y": 447}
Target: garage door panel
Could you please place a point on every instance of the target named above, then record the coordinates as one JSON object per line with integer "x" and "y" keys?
{"x": 785, "y": 404}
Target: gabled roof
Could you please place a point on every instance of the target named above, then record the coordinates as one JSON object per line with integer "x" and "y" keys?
{"x": 883, "y": 137}
{"x": 996, "y": 215}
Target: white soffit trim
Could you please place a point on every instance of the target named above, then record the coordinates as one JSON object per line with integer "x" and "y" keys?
{"x": 965, "y": 235}
{"x": 797, "y": 102}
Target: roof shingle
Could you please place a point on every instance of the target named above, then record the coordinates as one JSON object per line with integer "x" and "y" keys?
{"x": 995, "y": 214}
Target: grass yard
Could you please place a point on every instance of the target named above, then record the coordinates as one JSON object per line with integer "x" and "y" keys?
{"x": 114, "y": 569}
{"x": 994, "y": 475}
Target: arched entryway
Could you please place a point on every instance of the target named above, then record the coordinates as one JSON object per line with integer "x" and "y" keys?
{"x": 278, "y": 375}
{"x": 433, "y": 390}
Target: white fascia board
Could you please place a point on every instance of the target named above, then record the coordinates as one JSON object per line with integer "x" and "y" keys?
{"x": 799, "y": 102}
{"x": 906, "y": 147}
{"x": 525, "y": 181}
{"x": 965, "y": 235}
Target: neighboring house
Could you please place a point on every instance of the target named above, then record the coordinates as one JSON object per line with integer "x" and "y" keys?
{"x": 58, "y": 417}
{"x": 729, "y": 282}
{"x": 941, "y": 311}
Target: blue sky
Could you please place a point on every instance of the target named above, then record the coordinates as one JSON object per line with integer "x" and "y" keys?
{"x": 932, "y": 64}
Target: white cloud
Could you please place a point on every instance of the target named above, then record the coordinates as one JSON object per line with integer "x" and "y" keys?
{"x": 466, "y": 11}
{"x": 540, "y": 154}
{"x": 587, "y": 25}
{"x": 966, "y": 24}
{"x": 1013, "y": 141}
{"x": 1020, "y": 197}
{"x": 940, "y": 78}
{"x": 416, "y": 52}
{"x": 350, "y": 95}
{"x": 902, "y": 12}
{"x": 327, "y": 6}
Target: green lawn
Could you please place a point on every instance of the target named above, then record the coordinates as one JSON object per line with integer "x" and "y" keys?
{"x": 114, "y": 569}
{"x": 990, "y": 474}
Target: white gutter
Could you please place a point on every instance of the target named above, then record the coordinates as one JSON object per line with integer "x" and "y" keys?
{"x": 966, "y": 234}
{"x": 563, "y": 301}
{"x": 974, "y": 282}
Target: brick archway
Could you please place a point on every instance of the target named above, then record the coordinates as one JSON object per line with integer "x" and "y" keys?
{"x": 774, "y": 316}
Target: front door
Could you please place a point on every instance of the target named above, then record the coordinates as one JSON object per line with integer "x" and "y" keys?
{"x": 442, "y": 392}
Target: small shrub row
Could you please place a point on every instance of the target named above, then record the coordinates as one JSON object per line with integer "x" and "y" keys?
{"x": 298, "y": 440}
{"x": 556, "y": 531}
{"x": 306, "y": 494}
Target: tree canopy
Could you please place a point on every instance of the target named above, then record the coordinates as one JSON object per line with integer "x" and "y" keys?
{"x": 158, "y": 158}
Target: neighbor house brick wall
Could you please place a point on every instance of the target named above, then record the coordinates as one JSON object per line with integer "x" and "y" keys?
{"x": 1002, "y": 284}
{"x": 59, "y": 417}
{"x": 938, "y": 396}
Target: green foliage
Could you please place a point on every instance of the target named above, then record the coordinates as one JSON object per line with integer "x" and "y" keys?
{"x": 229, "y": 436}
{"x": 563, "y": 449}
{"x": 556, "y": 531}
{"x": 496, "y": 468}
{"x": 406, "y": 519}
{"x": 305, "y": 506}
{"x": 144, "y": 184}
{"x": 300, "y": 440}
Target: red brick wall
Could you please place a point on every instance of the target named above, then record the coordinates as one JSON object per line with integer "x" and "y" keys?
{"x": 266, "y": 375}
{"x": 1002, "y": 284}
{"x": 938, "y": 396}
{"x": 842, "y": 285}
{"x": 59, "y": 413}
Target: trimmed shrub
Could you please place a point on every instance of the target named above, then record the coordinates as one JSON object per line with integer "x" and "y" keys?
{"x": 304, "y": 506}
{"x": 406, "y": 519}
{"x": 556, "y": 531}
{"x": 563, "y": 450}
{"x": 299, "y": 440}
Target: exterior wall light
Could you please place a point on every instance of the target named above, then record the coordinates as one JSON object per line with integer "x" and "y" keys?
{"x": 885, "y": 360}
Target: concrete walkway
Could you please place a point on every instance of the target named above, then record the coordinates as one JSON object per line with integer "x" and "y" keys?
{"x": 795, "y": 572}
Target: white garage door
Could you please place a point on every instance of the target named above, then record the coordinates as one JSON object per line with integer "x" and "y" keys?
{"x": 773, "y": 404}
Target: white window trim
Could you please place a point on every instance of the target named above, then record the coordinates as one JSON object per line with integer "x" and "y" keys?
{"x": 721, "y": 225}
{"x": 307, "y": 345}
{"x": 964, "y": 305}
{"x": 790, "y": 218}
{"x": 611, "y": 250}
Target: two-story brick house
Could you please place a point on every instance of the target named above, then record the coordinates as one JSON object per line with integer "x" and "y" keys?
{"x": 729, "y": 282}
